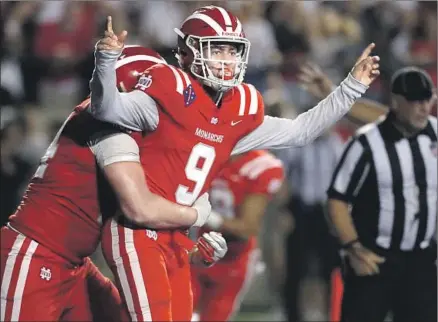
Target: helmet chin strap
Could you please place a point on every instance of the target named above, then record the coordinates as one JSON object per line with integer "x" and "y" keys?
{"x": 216, "y": 96}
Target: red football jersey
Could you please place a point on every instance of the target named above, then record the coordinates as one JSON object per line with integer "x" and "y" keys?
{"x": 194, "y": 138}
{"x": 61, "y": 208}
{"x": 254, "y": 172}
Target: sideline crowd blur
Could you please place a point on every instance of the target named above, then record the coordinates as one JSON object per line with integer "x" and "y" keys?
{"x": 46, "y": 57}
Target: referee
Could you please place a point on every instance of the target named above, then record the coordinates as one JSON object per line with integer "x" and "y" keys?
{"x": 383, "y": 208}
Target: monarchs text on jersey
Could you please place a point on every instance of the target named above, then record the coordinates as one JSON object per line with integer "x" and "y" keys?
{"x": 194, "y": 137}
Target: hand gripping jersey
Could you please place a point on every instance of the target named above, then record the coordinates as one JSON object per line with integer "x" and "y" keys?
{"x": 61, "y": 208}
{"x": 255, "y": 172}
{"x": 194, "y": 138}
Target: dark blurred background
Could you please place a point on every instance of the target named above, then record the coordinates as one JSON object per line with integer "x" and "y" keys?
{"x": 46, "y": 58}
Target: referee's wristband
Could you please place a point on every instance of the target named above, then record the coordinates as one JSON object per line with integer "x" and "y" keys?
{"x": 350, "y": 244}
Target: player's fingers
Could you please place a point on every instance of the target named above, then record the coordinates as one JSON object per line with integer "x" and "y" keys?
{"x": 306, "y": 79}
{"x": 308, "y": 69}
{"x": 103, "y": 46}
{"x": 110, "y": 35}
{"x": 220, "y": 240}
{"x": 365, "y": 64}
{"x": 122, "y": 36}
{"x": 367, "y": 51}
{"x": 212, "y": 241}
{"x": 315, "y": 68}
{"x": 109, "y": 24}
{"x": 205, "y": 249}
{"x": 215, "y": 245}
{"x": 106, "y": 42}
{"x": 207, "y": 237}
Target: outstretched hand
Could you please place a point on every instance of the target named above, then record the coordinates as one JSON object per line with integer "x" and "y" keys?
{"x": 315, "y": 81}
{"x": 111, "y": 41}
{"x": 366, "y": 68}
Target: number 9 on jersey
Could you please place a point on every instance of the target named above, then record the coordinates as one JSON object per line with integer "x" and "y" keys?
{"x": 196, "y": 174}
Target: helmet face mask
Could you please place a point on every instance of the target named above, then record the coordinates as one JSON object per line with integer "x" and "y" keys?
{"x": 203, "y": 41}
{"x": 212, "y": 71}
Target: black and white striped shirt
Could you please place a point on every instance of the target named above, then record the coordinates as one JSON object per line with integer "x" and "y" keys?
{"x": 391, "y": 184}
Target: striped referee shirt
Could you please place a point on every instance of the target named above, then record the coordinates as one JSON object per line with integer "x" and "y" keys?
{"x": 390, "y": 182}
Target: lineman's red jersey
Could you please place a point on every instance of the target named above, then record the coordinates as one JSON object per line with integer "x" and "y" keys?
{"x": 194, "y": 138}
{"x": 61, "y": 209}
{"x": 255, "y": 172}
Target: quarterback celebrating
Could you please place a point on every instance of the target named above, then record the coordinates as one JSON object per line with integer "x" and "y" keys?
{"x": 193, "y": 118}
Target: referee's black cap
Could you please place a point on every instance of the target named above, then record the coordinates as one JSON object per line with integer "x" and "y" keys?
{"x": 413, "y": 83}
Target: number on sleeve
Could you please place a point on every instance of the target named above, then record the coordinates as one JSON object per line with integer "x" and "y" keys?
{"x": 195, "y": 173}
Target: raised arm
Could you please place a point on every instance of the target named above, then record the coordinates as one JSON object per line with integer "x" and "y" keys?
{"x": 118, "y": 156}
{"x": 277, "y": 133}
{"x": 136, "y": 110}
{"x": 318, "y": 83}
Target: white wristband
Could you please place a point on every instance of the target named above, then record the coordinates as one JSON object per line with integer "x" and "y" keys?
{"x": 215, "y": 220}
{"x": 200, "y": 221}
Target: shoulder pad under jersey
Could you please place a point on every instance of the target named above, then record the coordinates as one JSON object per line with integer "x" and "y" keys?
{"x": 250, "y": 103}
{"x": 165, "y": 84}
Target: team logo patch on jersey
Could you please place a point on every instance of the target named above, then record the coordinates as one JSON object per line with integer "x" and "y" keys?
{"x": 152, "y": 234}
{"x": 45, "y": 273}
{"x": 189, "y": 95}
{"x": 144, "y": 82}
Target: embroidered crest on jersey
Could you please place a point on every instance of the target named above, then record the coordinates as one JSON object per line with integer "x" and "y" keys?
{"x": 189, "y": 95}
{"x": 144, "y": 82}
{"x": 45, "y": 274}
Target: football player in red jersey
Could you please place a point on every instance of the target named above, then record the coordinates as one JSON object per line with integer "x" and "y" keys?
{"x": 44, "y": 247}
{"x": 239, "y": 197}
{"x": 196, "y": 117}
